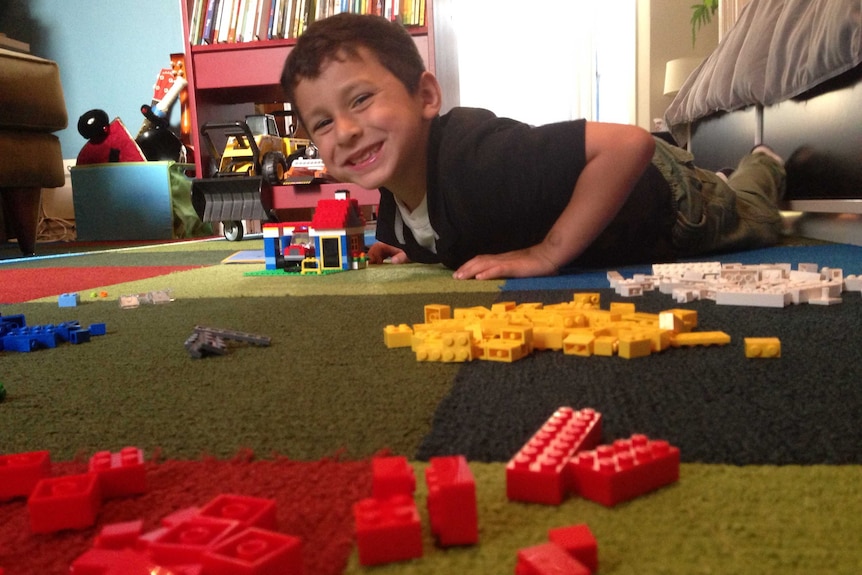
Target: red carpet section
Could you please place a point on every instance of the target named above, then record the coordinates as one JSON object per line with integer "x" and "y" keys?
{"x": 313, "y": 502}
{"x": 20, "y": 285}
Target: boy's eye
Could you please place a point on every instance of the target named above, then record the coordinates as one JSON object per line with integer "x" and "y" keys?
{"x": 320, "y": 125}
{"x": 361, "y": 99}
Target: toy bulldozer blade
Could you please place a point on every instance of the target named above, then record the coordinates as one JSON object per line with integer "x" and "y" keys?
{"x": 230, "y": 200}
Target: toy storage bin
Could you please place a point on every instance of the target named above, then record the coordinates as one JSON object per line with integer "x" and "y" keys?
{"x": 132, "y": 201}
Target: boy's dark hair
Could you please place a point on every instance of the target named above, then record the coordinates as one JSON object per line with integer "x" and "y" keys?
{"x": 340, "y": 36}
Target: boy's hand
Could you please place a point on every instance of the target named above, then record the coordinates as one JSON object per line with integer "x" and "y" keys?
{"x": 379, "y": 251}
{"x": 517, "y": 264}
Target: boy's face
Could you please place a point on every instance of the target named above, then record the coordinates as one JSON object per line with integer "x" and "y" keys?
{"x": 368, "y": 128}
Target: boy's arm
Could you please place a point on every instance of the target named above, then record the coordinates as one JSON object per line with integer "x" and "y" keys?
{"x": 616, "y": 156}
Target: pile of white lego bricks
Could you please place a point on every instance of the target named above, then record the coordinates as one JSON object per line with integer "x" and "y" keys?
{"x": 761, "y": 285}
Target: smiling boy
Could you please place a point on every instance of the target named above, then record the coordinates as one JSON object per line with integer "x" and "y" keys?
{"x": 492, "y": 197}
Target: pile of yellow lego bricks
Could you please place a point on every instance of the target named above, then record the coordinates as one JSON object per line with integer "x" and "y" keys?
{"x": 509, "y": 331}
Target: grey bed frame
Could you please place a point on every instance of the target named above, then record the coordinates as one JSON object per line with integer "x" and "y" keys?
{"x": 829, "y": 120}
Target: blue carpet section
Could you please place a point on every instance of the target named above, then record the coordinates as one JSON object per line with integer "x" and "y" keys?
{"x": 846, "y": 257}
{"x": 712, "y": 402}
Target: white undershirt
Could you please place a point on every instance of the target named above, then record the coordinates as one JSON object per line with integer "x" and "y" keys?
{"x": 419, "y": 224}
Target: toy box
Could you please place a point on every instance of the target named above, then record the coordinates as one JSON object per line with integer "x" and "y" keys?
{"x": 131, "y": 201}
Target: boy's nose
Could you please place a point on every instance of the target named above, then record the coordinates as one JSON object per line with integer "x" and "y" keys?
{"x": 346, "y": 129}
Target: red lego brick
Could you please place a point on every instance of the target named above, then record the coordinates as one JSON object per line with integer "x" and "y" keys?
{"x": 20, "y": 472}
{"x": 255, "y": 552}
{"x": 452, "y": 508}
{"x": 387, "y": 530}
{"x": 68, "y": 502}
{"x": 392, "y": 476}
{"x": 185, "y": 542}
{"x": 249, "y": 511}
{"x": 536, "y": 474}
{"x": 120, "y": 474}
{"x": 119, "y": 562}
{"x": 579, "y": 542}
{"x": 628, "y": 468}
{"x": 548, "y": 559}
{"x": 119, "y": 535}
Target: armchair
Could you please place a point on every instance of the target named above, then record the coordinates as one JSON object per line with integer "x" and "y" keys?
{"x": 32, "y": 107}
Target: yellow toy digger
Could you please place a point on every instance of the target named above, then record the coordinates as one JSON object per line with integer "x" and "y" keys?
{"x": 255, "y": 157}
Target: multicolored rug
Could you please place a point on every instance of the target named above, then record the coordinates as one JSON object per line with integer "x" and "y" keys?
{"x": 770, "y": 448}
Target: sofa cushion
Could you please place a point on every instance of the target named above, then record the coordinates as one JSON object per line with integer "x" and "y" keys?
{"x": 30, "y": 159}
{"x": 31, "y": 96}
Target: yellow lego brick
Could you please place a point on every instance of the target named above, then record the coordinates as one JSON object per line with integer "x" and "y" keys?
{"x": 397, "y": 336}
{"x": 448, "y": 347}
{"x": 669, "y": 321}
{"x": 589, "y": 299}
{"x": 471, "y": 313}
{"x": 520, "y": 334}
{"x": 659, "y": 339}
{"x": 579, "y": 344}
{"x": 642, "y": 318}
{"x": 503, "y": 307}
{"x": 547, "y": 337}
{"x": 632, "y": 345}
{"x": 436, "y": 312}
{"x": 503, "y": 350}
{"x": 605, "y": 345}
{"x": 700, "y": 338}
{"x": 688, "y": 317}
{"x": 762, "y": 347}
{"x": 622, "y": 307}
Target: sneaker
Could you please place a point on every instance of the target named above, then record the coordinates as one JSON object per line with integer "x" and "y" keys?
{"x": 764, "y": 149}
{"x": 725, "y": 173}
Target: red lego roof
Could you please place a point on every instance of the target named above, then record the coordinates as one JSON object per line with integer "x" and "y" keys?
{"x": 337, "y": 214}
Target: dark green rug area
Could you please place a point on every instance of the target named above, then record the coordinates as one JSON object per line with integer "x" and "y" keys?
{"x": 712, "y": 402}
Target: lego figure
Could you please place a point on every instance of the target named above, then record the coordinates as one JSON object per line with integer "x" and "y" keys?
{"x": 492, "y": 197}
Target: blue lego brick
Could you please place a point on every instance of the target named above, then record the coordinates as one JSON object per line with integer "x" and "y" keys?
{"x": 98, "y": 329}
{"x": 69, "y": 300}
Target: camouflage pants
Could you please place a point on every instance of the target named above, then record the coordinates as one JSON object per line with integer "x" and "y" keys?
{"x": 714, "y": 215}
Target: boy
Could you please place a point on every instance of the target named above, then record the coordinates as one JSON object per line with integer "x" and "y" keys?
{"x": 491, "y": 197}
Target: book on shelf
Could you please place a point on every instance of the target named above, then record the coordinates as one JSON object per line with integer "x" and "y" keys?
{"x": 238, "y": 21}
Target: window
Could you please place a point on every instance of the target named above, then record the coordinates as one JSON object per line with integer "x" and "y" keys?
{"x": 548, "y": 61}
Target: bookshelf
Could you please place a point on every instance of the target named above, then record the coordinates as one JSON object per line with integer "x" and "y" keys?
{"x": 229, "y": 80}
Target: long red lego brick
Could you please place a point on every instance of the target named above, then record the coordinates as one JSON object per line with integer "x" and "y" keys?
{"x": 452, "y": 508}
{"x": 626, "y": 469}
{"x": 537, "y": 473}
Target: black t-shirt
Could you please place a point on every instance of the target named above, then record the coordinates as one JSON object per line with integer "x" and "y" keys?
{"x": 497, "y": 185}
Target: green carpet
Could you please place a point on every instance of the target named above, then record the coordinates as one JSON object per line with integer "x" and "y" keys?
{"x": 327, "y": 386}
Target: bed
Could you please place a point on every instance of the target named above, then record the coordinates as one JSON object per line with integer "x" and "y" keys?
{"x": 788, "y": 74}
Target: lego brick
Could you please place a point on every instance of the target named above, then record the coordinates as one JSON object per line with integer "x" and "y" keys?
{"x": 255, "y": 551}
{"x": 387, "y": 530}
{"x": 116, "y": 562}
{"x": 69, "y": 300}
{"x": 536, "y": 474}
{"x": 628, "y": 468}
{"x": 119, "y": 535}
{"x": 120, "y": 474}
{"x": 397, "y": 336}
{"x": 67, "y": 502}
{"x": 248, "y": 511}
{"x": 452, "y": 507}
{"x": 633, "y": 345}
{"x": 579, "y": 542}
{"x": 762, "y": 347}
{"x": 579, "y": 343}
{"x": 700, "y": 338}
{"x": 391, "y": 476}
{"x": 548, "y": 559}
{"x": 20, "y": 472}
{"x": 436, "y": 312}
{"x": 186, "y": 541}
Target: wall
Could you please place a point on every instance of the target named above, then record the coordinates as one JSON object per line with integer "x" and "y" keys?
{"x": 664, "y": 33}
{"x": 109, "y": 52}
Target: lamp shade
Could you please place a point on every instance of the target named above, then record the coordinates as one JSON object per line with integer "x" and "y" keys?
{"x": 677, "y": 72}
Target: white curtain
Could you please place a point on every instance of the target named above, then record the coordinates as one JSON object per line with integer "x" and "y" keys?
{"x": 547, "y": 61}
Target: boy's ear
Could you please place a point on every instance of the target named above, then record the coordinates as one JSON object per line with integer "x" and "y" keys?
{"x": 430, "y": 95}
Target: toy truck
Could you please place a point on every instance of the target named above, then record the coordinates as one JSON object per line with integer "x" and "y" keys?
{"x": 254, "y": 158}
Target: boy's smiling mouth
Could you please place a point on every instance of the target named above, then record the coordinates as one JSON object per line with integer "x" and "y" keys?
{"x": 364, "y": 157}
